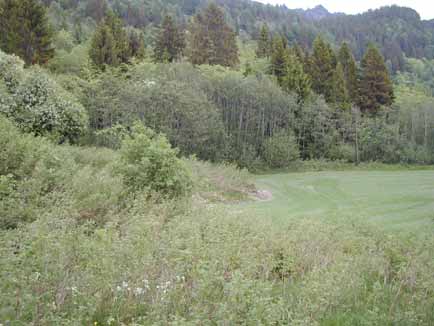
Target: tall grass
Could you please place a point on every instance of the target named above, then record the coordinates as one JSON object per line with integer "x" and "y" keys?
{"x": 91, "y": 253}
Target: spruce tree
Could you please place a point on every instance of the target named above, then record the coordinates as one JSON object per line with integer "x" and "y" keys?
{"x": 9, "y": 25}
{"x": 279, "y": 58}
{"x": 322, "y": 68}
{"x": 349, "y": 66}
{"x": 212, "y": 40}
{"x": 96, "y": 9}
{"x": 376, "y": 87}
{"x": 295, "y": 79}
{"x": 339, "y": 91}
{"x": 170, "y": 43}
{"x": 298, "y": 52}
{"x": 103, "y": 47}
{"x": 111, "y": 45}
{"x": 122, "y": 46}
{"x": 264, "y": 44}
{"x": 136, "y": 44}
{"x": 25, "y": 31}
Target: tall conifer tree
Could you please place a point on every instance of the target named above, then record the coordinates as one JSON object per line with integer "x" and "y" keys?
{"x": 25, "y": 31}
{"x": 122, "y": 48}
{"x": 376, "y": 87}
{"x": 295, "y": 79}
{"x": 264, "y": 43}
{"x": 322, "y": 68}
{"x": 212, "y": 40}
{"x": 136, "y": 44}
{"x": 339, "y": 92}
{"x": 170, "y": 42}
{"x": 279, "y": 58}
{"x": 111, "y": 45}
{"x": 103, "y": 47}
{"x": 349, "y": 66}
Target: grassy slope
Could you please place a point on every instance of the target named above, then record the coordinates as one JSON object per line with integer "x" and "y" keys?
{"x": 396, "y": 200}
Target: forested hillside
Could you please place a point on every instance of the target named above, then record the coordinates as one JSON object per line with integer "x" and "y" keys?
{"x": 261, "y": 92}
{"x": 398, "y": 31}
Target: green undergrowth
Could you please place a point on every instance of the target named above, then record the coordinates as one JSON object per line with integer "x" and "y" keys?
{"x": 208, "y": 265}
{"x": 79, "y": 247}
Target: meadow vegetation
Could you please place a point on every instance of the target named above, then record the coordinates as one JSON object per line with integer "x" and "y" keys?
{"x": 101, "y": 251}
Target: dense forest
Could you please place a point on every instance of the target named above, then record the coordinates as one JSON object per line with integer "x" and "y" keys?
{"x": 256, "y": 84}
{"x": 398, "y": 32}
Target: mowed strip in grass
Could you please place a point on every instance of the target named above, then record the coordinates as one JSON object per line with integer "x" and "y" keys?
{"x": 398, "y": 200}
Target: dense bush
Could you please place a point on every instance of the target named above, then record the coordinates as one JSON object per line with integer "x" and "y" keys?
{"x": 281, "y": 150}
{"x": 378, "y": 141}
{"x": 11, "y": 70}
{"x": 148, "y": 163}
{"x": 38, "y": 104}
{"x": 35, "y": 174}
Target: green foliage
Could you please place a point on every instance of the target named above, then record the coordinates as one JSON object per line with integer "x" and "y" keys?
{"x": 264, "y": 43}
{"x": 148, "y": 162}
{"x": 39, "y": 105}
{"x": 281, "y": 150}
{"x": 376, "y": 87}
{"x": 321, "y": 68}
{"x": 279, "y": 58}
{"x": 111, "y": 45}
{"x": 295, "y": 79}
{"x": 120, "y": 37}
{"x": 25, "y": 31}
{"x": 170, "y": 43}
{"x": 161, "y": 266}
{"x": 212, "y": 41}
{"x": 253, "y": 109}
{"x": 349, "y": 66}
{"x": 64, "y": 41}
{"x": 378, "y": 141}
{"x": 103, "y": 47}
{"x": 11, "y": 71}
{"x": 75, "y": 62}
{"x": 222, "y": 182}
{"x": 167, "y": 98}
{"x": 136, "y": 44}
{"x": 339, "y": 91}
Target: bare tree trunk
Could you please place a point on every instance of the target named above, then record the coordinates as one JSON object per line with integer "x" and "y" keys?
{"x": 356, "y": 132}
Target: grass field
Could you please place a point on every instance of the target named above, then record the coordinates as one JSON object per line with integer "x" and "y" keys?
{"x": 395, "y": 200}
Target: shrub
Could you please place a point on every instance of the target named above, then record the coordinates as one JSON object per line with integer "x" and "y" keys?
{"x": 37, "y": 103}
{"x": 11, "y": 70}
{"x": 9, "y": 201}
{"x": 43, "y": 108}
{"x": 148, "y": 162}
{"x": 18, "y": 153}
{"x": 343, "y": 152}
{"x": 280, "y": 150}
{"x": 378, "y": 141}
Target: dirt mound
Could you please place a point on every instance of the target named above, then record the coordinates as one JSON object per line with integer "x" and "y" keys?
{"x": 264, "y": 195}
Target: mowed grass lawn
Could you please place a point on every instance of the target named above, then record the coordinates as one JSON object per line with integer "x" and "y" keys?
{"x": 398, "y": 200}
